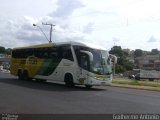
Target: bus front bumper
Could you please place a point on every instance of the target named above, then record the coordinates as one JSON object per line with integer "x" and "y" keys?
{"x": 99, "y": 81}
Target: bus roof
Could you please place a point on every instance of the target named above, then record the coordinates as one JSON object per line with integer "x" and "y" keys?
{"x": 36, "y": 46}
{"x": 90, "y": 45}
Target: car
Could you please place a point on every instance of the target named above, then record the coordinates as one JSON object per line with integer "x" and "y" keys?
{"x": 137, "y": 76}
{"x": 131, "y": 76}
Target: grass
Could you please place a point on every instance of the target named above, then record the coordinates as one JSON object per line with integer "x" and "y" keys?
{"x": 136, "y": 83}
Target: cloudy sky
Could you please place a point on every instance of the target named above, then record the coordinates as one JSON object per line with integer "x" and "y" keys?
{"x": 133, "y": 24}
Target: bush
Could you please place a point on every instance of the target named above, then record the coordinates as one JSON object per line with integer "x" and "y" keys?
{"x": 120, "y": 69}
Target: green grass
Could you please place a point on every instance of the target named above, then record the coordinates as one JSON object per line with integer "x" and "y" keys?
{"x": 137, "y": 83}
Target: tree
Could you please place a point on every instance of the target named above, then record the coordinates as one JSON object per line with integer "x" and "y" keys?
{"x": 123, "y": 63}
{"x": 116, "y": 50}
{"x": 2, "y": 49}
{"x": 8, "y": 51}
{"x": 138, "y": 53}
{"x": 120, "y": 69}
{"x": 129, "y": 66}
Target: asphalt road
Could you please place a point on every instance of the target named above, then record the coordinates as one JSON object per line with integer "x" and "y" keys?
{"x": 33, "y": 97}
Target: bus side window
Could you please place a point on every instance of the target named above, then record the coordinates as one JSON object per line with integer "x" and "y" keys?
{"x": 84, "y": 62}
{"x": 45, "y": 54}
{"x": 53, "y": 55}
{"x": 14, "y": 54}
{"x": 67, "y": 53}
{"x": 40, "y": 52}
{"x": 21, "y": 54}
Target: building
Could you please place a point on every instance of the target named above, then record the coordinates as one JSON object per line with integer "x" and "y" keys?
{"x": 148, "y": 62}
{"x": 4, "y": 61}
{"x": 130, "y": 53}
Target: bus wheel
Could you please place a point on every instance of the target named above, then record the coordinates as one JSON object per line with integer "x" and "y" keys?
{"x": 20, "y": 75}
{"x": 68, "y": 80}
{"x": 88, "y": 86}
{"x": 25, "y": 75}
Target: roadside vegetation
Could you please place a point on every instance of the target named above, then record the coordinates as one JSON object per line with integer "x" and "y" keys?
{"x": 137, "y": 83}
{"x": 127, "y": 59}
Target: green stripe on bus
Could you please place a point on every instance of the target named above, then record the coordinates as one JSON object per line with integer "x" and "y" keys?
{"x": 48, "y": 66}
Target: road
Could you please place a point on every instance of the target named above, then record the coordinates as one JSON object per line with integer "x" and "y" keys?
{"x": 33, "y": 97}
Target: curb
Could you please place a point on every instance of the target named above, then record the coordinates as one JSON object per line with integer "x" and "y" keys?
{"x": 136, "y": 87}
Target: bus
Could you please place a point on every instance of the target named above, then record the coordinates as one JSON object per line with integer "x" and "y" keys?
{"x": 73, "y": 63}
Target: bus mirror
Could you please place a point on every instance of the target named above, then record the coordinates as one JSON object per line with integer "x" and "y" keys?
{"x": 113, "y": 58}
{"x": 89, "y": 54}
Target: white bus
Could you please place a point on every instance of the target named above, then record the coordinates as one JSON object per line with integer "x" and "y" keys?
{"x": 71, "y": 62}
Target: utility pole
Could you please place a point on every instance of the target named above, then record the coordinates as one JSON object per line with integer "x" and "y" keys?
{"x": 50, "y": 40}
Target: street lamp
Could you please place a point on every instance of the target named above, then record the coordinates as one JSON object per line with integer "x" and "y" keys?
{"x": 50, "y": 40}
{"x": 41, "y": 31}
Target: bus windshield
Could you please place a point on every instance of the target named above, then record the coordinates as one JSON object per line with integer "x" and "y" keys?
{"x": 101, "y": 63}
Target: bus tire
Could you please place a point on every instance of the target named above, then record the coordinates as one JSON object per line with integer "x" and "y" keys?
{"x": 68, "y": 79}
{"x": 88, "y": 86}
{"x": 20, "y": 74}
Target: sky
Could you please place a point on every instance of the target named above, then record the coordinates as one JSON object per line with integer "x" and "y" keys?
{"x": 133, "y": 24}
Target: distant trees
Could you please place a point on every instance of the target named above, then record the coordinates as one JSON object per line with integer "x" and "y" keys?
{"x": 117, "y": 50}
{"x": 138, "y": 53}
{"x": 123, "y": 63}
{"x": 5, "y": 51}
{"x": 8, "y": 51}
{"x": 2, "y": 49}
{"x": 154, "y": 52}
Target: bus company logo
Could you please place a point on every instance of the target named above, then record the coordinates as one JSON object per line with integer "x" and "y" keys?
{"x": 136, "y": 117}
{"x": 9, "y": 117}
